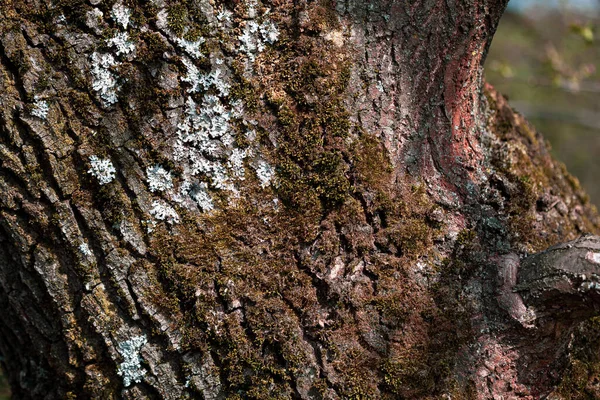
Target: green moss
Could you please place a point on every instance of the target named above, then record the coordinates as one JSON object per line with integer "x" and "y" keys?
{"x": 393, "y": 307}
{"x": 64, "y": 57}
{"x": 83, "y": 105}
{"x": 357, "y": 384}
{"x": 323, "y": 17}
{"x": 525, "y": 195}
{"x": 177, "y": 18}
{"x": 244, "y": 91}
{"x": 152, "y": 46}
{"x": 411, "y": 236}
{"x": 396, "y": 374}
{"x": 465, "y": 237}
{"x": 286, "y": 117}
{"x": 44, "y": 80}
{"x": 527, "y": 131}
{"x": 113, "y": 204}
{"x": 529, "y": 172}
{"x": 574, "y": 381}
{"x": 307, "y": 99}
{"x": 193, "y": 34}
{"x": 371, "y": 166}
{"x": 336, "y": 120}
{"x": 307, "y": 168}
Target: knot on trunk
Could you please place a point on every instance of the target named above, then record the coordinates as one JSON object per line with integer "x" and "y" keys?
{"x": 561, "y": 283}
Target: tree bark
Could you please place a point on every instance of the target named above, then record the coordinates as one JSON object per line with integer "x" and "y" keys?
{"x": 281, "y": 199}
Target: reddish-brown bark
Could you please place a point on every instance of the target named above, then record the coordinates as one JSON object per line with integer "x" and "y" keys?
{"x": 309, "y": 200}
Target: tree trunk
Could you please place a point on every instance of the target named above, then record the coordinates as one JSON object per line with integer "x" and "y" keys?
{"x": 281, "y": 199}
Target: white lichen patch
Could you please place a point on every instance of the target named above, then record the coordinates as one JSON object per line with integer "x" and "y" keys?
{"x": 201, "y": 196}
{"x": 85, "y": 249}
{"x": 269, "y": 32}
{"x": 224, "y": 15}
{"x": 215, "y": 80}
{"x": 219, "y": 178}
{"x": 40, "y": 109}
{"x": 158, "y": 178}
{"x": 255, "y": 37}
{"x": 265, "y": 173}
{"x": 587, "y": 286}
{"x": 251, "y": 8}
{"x": 93, "y": 20}
{"x": 131, "y": 368}
{"x": 250, "y": 41}
{"x": 194, "y": 132}
{"x": 164, "y": 212}
{"x": 204, "y": 144}
{"x": 193, "y": 76}
{"x": 122, "y": 43}
{"x": 96, "y": 14}
{"x": 102, "y": 169}
{"x": 192, "y": 48}
{"x": 182, "y": 195}
{"x": 202, "y": 136}
{"x": 162, "y": 19}
{"x": 194, "y": 193}
{"x": 104, "y": 82}
{"x": 214, "y": 117}
{"x": 200, "y": 81}
{"x": 121, "y": 14}
{"x": 150, "y": 225}
{"x": 593, "y": 257}
{"x": 236, "y": 162}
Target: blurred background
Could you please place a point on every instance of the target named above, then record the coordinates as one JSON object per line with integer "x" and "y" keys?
{"x": 4, "y": 392}
{"x": 545, "y": 59}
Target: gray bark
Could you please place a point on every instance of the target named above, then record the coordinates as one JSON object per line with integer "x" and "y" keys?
{"x": 312, "y": 200}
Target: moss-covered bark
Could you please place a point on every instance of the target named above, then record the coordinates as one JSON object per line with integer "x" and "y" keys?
{"x": 300, "y": 199}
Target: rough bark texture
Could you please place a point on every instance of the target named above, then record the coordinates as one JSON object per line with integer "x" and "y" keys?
{"x": 281, "y": 199}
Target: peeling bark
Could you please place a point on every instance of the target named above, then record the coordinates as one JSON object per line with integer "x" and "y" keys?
{"x": 277, "y": 199}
